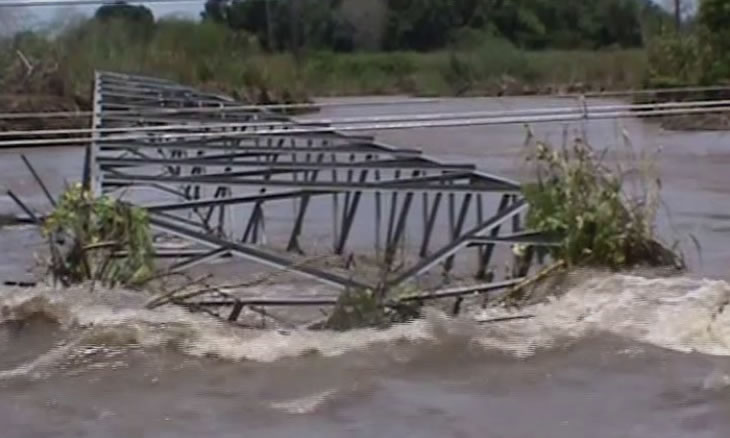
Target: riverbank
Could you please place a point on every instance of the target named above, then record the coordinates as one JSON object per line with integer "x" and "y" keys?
{"x": 488, "y": 71}
{"x": 262, "y": 78}
{"x": 216, "y": 59}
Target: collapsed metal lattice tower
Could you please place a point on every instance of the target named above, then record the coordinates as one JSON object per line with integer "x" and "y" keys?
{"x": 231, "y": 179}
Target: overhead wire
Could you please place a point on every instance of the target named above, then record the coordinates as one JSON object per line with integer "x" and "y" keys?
{"x": 223, "y": 109}
{"x": 160, "y": 137}
{"x": 404, "y": 118}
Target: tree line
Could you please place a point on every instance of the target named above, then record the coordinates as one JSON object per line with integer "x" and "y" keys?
{"x": 347, "y": 25}
{"x": 685, "y": 44}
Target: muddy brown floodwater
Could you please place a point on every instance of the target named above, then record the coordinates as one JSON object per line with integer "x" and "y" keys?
{"x": 618, "y": 356}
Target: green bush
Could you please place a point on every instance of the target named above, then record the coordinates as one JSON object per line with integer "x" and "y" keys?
{"x": 714, "y": 21}
{"x": 211, "y": 56}
{"x": 86, "y": 236}
{"x": 580, "y": 200}
{"x": 674, "y": 60}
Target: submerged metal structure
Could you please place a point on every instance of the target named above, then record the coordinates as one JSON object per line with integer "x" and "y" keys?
{"x": 248, "y": 182}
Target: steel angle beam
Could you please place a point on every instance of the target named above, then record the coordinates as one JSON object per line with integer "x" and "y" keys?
{"x": 327, "y": 142}
{"x": 299, "y": 165}
{"x": 234, "y": 136}
{"x": 143, "y": 86}
{"x": 526, "y": 238}
{"x": 459, "y": 243}
{"x": 199, "y": 259}
{"x": 152, "y": 108}
{"x": 131, "y": 77}
{"x": 331, "y": 301}
{"x": 267, "y": 302}
{"x": 229, "y": 138}
{"x": 191, "y": 223}
{"x": 443, "y": 181}
{"x": 203, "y": 203}
{"x": 168, "y": 253}
{"x": 176, "y": 119}
{"x": 461, "y": 291}
{"x": 23, "y": 207}
{"x": 254, "y": 150}
{"x": 156, "y": 88}
{"x": 130, "y": 95}
{"x": 124, "y": 180}
{"x": 256, "y": 254}
{"x": 484, "y": 176}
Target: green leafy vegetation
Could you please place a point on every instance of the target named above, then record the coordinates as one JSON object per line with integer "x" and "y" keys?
{"x": 601, "y": 223}
{"x": 211, "y": 56}
{"x": 203, "y": 54}
{"x": 256, "y": 51}
{"x": 714, "y": 36}
{"x": 98, "y": 240}
{"x": 265, "y": 51}
{"x": 367, "y": 308}
{"x": 674, "y": 60}
{"x": 697, "y": 54}
{"x": 346, "y": 25}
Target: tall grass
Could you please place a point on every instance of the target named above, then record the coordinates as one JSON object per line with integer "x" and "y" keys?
{"x": 207, "y": 55}
{"x": 495, "y": 68}
{"x": 213, "y": 56}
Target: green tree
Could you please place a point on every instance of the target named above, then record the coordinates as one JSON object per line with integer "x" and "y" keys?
{"x": 281, "y": 24}
{"x": 714, "y": 23}
{"x": 139, "y": 20}
{"x": 124, "y": 11}
{"x": 433, "y": 24}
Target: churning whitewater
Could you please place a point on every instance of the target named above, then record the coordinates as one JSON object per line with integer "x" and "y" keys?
{"x": 680, "y": 314}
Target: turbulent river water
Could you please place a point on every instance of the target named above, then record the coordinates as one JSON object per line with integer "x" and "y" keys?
{"x": 616, "y": 356}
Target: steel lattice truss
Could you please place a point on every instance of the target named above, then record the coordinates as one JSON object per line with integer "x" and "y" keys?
{"x": 252, "y": 190}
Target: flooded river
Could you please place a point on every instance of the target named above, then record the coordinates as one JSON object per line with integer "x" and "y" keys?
{"x": 618, "y": 356}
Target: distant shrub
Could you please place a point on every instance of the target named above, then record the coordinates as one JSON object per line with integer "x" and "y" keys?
{"x": 674, "y": 59}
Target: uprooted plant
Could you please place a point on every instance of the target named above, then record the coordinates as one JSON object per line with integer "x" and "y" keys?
{"x": 359, "y": 308}
{"x": 589, "y": 205}
{"x": 98, "y": 239}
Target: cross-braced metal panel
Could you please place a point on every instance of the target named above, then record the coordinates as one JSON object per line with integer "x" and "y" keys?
{"x": 229, "y": 178}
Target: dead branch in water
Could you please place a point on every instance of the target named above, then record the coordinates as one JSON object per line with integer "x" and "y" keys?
{"x": 517, "y": 294}
{"x": 166, "y": 296}
{"x": 177, "y": 296}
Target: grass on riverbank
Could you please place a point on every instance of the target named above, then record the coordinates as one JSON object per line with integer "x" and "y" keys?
{"x": 493, "y": 69}
{"x": 211, "y": 56}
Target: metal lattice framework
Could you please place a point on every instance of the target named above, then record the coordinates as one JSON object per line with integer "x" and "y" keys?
{"x": 256, "y": 192}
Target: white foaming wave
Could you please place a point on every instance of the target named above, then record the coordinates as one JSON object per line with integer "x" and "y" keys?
{"x": 676, "y": 313}
{"x": 306, "y": 404}
{"x": 118, "y": 317}
{"x": 42, "y": 365}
